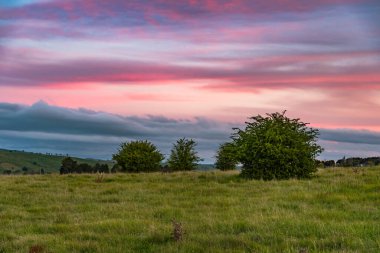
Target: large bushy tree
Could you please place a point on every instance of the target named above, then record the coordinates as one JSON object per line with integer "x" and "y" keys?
{"x": 138, "y": 156}
{"x": 276, "y": 147}
{"x": 183, "y": 155}
{"x": 226, "y": 157}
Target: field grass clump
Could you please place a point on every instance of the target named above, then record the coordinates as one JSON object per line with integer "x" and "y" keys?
{"x": 336, "y": 211}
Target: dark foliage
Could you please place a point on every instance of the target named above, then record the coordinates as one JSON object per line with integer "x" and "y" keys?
{"x": 358, "y": 161}
{"x": 325, "y": 164}
{"x": 101, "y": 168}
{"x": 84, "y": 168}
{"x": 165, "y": 169}
{"x": 7, "y": 172}
{"x": 71, "y": 166}
{"x": 116, "y": 168}
{"x": 68, "y": 166}
{"x": 276, "y": 147}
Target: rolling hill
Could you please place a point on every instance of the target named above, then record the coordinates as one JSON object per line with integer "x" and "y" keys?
{"x": 19, "y": 161}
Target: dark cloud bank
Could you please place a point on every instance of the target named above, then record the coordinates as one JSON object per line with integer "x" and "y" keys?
{"x": 81, "y": 132}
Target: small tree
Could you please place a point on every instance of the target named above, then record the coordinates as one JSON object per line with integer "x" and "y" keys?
{"x": 277, "y": 147}
{"x": 226, "y": 157}
{"x": 138, "y": 156}
{"x": 183, "y": 155}
{"x": 68, "y": 165}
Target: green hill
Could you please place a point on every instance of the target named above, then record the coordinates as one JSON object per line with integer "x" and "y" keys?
{"x": 17, "y": 161}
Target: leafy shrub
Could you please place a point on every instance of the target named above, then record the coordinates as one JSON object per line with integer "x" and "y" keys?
{"x": 226, "y": 157}
{"x": 68, "y": 165}
{"x": 183, "y": 155}
{"x": 101, "y": 168}
{"x": 83, "y": 168}
{"x": 277, "y": 147}
{"x": 138, "y": 156}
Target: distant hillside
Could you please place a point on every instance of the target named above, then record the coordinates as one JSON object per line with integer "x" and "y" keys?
{"x": 17, "y": 160}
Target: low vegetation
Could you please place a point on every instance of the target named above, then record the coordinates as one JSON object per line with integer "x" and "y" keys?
{"x": 69, "y": 166}
{"x": 338, "y": 210}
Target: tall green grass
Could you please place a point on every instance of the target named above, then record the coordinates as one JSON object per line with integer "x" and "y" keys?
{"x": 337, "y": 211}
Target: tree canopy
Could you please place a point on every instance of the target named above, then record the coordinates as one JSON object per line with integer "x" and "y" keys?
{"x": 183, "y": 155}
{"x": 68, "y": 165}
{"x": 226, "y": 157}
{"x": 276, "y": 147}
{"x": 138, "y": 156}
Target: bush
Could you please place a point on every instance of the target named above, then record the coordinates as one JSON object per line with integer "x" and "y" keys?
{"x": 101, "y": 168}
{"x": 138, "y": 156}
{"x": 277, "y": 147}
{"x": 183, "y": 155}
{"x": 7, "y": 172}
{"x": 68, "y": 166}
{"x": 116, "y": 168}
{"x": 226, "y": 157}
{"x": 104, "y": 168}
{"x": 84, "y": 168}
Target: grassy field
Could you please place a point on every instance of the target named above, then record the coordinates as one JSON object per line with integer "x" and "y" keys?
{"x": 15, "y": 160}
{"x": 337, "y": 211}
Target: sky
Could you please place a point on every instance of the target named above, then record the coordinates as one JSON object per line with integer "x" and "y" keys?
{"x": 79, "y": 77}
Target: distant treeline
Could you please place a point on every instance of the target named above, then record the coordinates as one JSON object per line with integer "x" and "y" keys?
{"x": 350, "y": 162}
{"x": 70, "y": 166}
{"x": 25, "y": 171}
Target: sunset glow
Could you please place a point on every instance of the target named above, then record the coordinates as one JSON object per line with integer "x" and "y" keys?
{"x": 202, "y": 65}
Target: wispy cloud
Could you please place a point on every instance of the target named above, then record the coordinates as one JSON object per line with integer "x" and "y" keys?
{"x": 332, "y": 70}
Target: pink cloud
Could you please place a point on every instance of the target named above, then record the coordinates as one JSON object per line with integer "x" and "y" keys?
{"x": 175, "y": 11}
{"x": 221, "y": 54}
{"x": 352, "y": 70}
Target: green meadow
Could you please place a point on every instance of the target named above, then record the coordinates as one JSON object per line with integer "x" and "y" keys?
{"x": 336, "y": 211}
